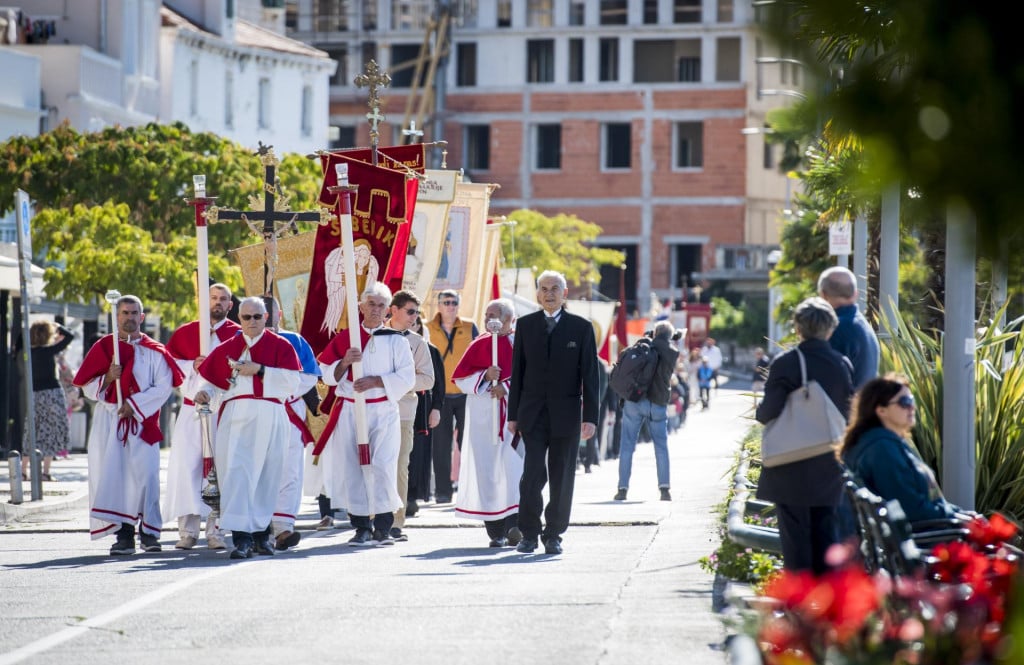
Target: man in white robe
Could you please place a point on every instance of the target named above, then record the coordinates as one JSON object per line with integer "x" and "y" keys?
{"x": 492, "y": 457}
{"x": 388, "y": 372}
{"x": 253, "y": 374}
{"x": 124, "y": 452}
{"x": 185, "y": 468}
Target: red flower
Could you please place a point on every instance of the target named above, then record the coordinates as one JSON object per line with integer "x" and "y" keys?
{"x": 990, "y": 532}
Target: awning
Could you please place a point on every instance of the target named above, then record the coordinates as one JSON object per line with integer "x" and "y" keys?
{"x": 10, "y": 277}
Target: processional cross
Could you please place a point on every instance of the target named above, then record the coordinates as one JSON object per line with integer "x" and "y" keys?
{"x": 373, "y": 78}
{"x": 276, "y": 216}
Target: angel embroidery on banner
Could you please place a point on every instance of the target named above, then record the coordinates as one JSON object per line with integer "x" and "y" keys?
{"x": 367, "y": 270}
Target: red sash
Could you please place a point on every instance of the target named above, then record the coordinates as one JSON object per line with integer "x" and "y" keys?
{"x": 333, "y": 420}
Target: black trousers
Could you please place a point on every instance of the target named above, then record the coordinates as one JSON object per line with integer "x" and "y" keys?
{"x": 419, "y": 466}
{"x": 453, "y": 416}
{"x": 500, "y": 528}
{"x": 559, "y": 453}
{"x": 382, "y": 522}
{"x": 806, "y": 533}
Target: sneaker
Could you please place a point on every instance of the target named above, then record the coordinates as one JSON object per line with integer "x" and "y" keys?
{"x": 124, "y": 545}
{"x": 399, "y": 535}
{"x": 361, "y": 539}
{"x": 325, "y": 524}
{"x": 620, "y": 495}
{"x": 382, "y": 539}
{"x": 215, "y": 542}
{"x": 186, "y": 542}
{"x": 665, "y": 496}
{"x": 150, "y": 543}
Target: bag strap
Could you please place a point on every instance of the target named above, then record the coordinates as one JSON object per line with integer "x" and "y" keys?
{"x": 803, "y": 368}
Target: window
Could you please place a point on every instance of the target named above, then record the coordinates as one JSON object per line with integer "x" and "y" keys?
{"x": 727, "y": 59}
{"x": 346, "y": 137}
{"x": 689, "y": 145}
{"x": 539, "y": 13}
{"x": 478, "y": 147}
{"x": 609, "y": 59}
{"x": 504, "y": 13}
{"x": 650, "y": 12}
{"x": 331, "y": 15}
{"x": 338, "y": 53}
{"x": 411, "y": 15}
{"x": 369, "y": 14}
{"x": 657, "y": 60}
{"x": 577, "y": 12}
{"x": 549, "y": 147}
{"x": 725, "y": 11}
{"x": 617, "y": 145}
{"x": 575, "y": 61}
{"x": 540, "y": 61}
{"x": 465, "y": 71}
{"x": 229, "y": 99}
{"x": 264, "y": 103}
{"x": 614, "y": 12}
{"x": 403, "y": 65}
{"x": 307, "y": 110}
{"x": 291, "y": 15}
{"x": 465, "y": 13}
{"x": 686, "y": 11}
{"x": 689, "y": 70}
{"x": 769, "y": 152}
{"x": 193, "y": 88}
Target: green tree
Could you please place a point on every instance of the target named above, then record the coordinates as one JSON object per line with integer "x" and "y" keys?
{"x": 563, "y": 243}
{"x": 91, "y": 249}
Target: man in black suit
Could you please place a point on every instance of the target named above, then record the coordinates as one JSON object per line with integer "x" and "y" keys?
{"x": 554, "y": 387}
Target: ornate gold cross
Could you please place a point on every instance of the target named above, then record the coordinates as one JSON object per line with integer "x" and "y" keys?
{"x": 373, "y": 78}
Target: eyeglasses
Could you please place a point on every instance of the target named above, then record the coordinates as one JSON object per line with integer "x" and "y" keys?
{"x": 450, "y": 303}
{"x": 254, "y": 317}
{"x": 412, "y": 311}
{"x": 905, "y": 401}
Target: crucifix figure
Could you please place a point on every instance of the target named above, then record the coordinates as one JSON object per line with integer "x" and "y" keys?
{"x": 416, "y": 134}
{"x": 276, "y": 216}
{"x": 373, "y": 78}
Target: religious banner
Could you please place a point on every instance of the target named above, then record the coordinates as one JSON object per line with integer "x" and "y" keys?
{"x": 291, "y": 287}
{"x": 600, "y": 313}
{"x": 468, "y": 251}
{"x": 384, "y": 202}
{"x": 429, "y": 223}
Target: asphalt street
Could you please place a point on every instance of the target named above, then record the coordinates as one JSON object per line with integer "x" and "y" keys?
{"x": 626, "y": 590}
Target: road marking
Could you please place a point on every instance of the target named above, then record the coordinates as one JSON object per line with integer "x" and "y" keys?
{"x": 50, "y": 641}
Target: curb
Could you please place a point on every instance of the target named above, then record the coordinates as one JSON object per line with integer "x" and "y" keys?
{"x": 10, "y": 512}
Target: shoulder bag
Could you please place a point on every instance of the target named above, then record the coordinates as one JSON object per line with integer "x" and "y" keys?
{"x": 809, "y": 425}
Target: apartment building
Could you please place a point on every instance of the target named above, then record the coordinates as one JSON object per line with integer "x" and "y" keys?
{"x": 643, "y": 116}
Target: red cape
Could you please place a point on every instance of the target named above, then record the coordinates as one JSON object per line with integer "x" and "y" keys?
{"x": 101, "y": 357}
{"x": 478, "y": 357}
{"x": 272, "y": 350}
{"x": 184, "y": 342}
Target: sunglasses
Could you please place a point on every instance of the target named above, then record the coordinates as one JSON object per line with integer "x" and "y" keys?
{"x": 254, "y": 317}
{"x": 449, "y": 303}
{"x": 412, "y": 311}
{"x": 905, "y": 401}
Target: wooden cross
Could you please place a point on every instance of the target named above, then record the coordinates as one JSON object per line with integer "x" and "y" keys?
{"x": 413, "y": 132}
{"x": 373, "y": 78}
{"x": 276, "y": 216}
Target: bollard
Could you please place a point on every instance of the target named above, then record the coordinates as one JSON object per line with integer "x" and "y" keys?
{"x": 14, "y": 467}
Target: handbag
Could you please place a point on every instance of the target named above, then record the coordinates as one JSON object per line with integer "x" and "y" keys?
{"x": 809, "y": 425}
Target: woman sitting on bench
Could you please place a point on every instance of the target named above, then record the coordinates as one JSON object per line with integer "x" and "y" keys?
{"x": 876, "y": 450}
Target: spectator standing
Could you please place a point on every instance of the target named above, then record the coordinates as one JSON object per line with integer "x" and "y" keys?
{"x": 761, "y": 363}
{"x": 451, "y": 335}
{"x": 48, "y": 340}
{"x": 714, "y": 358}
{"x": 652, "y": 409}
{"x": 853, "y": 337}
{"x": 806, "y": 492}
{"x": 705, "y": 375}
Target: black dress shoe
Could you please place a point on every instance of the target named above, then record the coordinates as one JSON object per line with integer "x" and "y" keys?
{"x": 498, "y": 542}
{"x": 553, "y": 545}
{"x": 242, "y": 550}
{"x": 411, "y": 508}
{"x": 263, "y": 545}
{"x": 527, "y": 545}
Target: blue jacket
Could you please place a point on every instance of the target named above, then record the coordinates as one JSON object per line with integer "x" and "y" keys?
{"x": 855, "y": 339}
{"x": 887, "y": 466}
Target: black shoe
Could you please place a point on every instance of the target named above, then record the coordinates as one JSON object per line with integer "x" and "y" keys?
{"x": 665, "y": 496}
{"x": 411, "y": 508}
{"x": 498, "y": 542}
{"x": 382, "y": 539}
{"x": 243, "y": 550}
{"x": 515, "y": 536}
{"x": 553, "y": 545}
{"x": 398, "y": 535}
{"x": 620, "y": 495}
{"x": 263, "y": 545}
{"x": 527, "y": 545}
{"x": 149, "y": 543}
{"x": 362, "y": 538}
{"x": 124, "y": 545}
{"x": 443, "y": 499}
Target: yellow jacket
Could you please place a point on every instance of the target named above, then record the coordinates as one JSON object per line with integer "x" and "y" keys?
{"x": 451, "y": 348}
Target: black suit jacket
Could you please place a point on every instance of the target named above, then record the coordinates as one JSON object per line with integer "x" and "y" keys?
{"x": 554, "y": 376}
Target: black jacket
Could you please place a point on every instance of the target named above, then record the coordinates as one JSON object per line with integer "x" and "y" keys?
{"x": 815, "y": 481}
{"x": 554, "y": 383}
{"x": 660, "y": 390}
{"x": 432, "y": 398}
